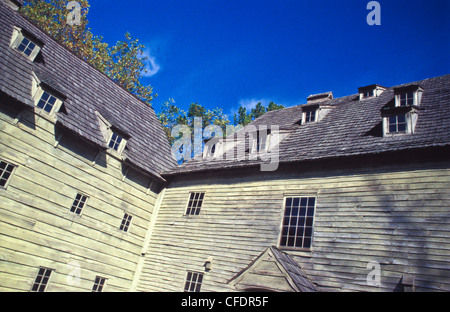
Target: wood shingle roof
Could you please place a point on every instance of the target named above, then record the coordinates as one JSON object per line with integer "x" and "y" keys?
{"x": 353, "y": 127}
{"x": 86, "y": 91}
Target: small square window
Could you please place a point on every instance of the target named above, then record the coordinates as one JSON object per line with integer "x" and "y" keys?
{"x": 407, "y": 99}
{"x": 126, "y": 221}
{"x": 26, "y": 46}
{"x": 298, "y": 222}
{"x": 46, "y": 102}
{"x": 368, "y": 93}
{"x": 6, "y": 170}
{"x": 78, "y": 204}
{"x": 193, "y": 282}
{"x": 397, "y": 124}
{"x": 310, "y": 116}
{"x": 41, "y": 281}
{"x": 115, "y": 141}
{"x": 98, "y": 284}
{"x": 195, "y": 204}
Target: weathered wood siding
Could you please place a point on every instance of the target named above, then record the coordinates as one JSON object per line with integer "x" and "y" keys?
{"x": 395, "y": 215}
{"x": 36, "y": 225}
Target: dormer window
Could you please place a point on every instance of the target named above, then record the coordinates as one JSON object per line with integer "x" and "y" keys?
{"x": 46, "y": 99}
{"x": 26, "y": 46}
{"x": 370, "y": 91}
{"x": 115, "y": 139}
{"x": 261, "y": 142}
{"x": 407, "y": 99}
{"x": 399, "y": 121}
{"x": 47, "y": 102}
{"x": 408, "y": 96}
{"x": 25, "y": 43}
{"x": 310, "y": 115}
{"x": 397, "y": 124}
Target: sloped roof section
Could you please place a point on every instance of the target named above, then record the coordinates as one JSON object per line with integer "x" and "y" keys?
{"x": 273, "y": 270}
{"x": 86, "y": 92}
{"x": 293, "y": 269}
{"x": 352, "y": 127}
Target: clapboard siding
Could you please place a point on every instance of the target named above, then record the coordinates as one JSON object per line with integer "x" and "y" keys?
{"x": 396, "y": 215}
{"x": 37, "y": 227}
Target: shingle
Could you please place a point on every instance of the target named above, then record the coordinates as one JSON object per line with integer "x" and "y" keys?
{"x": 87, "y": 90}
{"x": 351, "y": 128}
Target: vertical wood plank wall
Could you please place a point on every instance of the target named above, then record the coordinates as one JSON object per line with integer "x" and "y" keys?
{"x": 397, "y": 216}
{"x": 36, "y": 225}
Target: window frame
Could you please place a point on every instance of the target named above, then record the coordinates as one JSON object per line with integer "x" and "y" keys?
{"x": 307, "y": 119}
{"x": 416, "y": 98}
{"x": 78, "y": 207}
{"x": 197, "y": 208}
{"x": 188, "y": 283}
{"x": 108, "y": 131}
{"x": 125, "y": 223}
{"x": 16, "y": 40}
{"x": 99, "y": 282}
{"x": 8, "y": 180}
{"x": 38, "y": 97}
{"x": 38, "y": 283}
{"x": 312, "y": 226}
{"x": 261, "y": 138}
{"x": 397, "y": 124}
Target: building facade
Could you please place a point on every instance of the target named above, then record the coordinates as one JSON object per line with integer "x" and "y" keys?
{"x": 338, "y": 194}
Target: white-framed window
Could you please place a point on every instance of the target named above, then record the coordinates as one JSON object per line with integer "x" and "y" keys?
{"x": 99, "y": 284}
{"x": 309, "y": 115}
{"x": 374, "y": 90}
{"x": 47, "y": 102}
{"x": 408, "y": 96}
{"x": 79, "y": 203}
{"x": 126, "y": 222}
{"x": 400, "y": 123}
{"x": 41, "y": 280}
{"x": 115, "y": 140}
{"x": 193, "y": 281}
{"x": 397, "y": 123}
{"x": 298, "y": 222}
{"x": 6, "y": 170}
{"x": 25, "y": 44}
{"x": 261, "y": 141}
{"x": 195, "y": 203}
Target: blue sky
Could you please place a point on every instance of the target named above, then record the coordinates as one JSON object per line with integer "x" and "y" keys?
{"x": 227, "y": 53}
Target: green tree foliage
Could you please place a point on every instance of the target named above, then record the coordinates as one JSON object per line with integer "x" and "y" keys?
{"x": 244, "y": 118}
{"x": 171, "y": 115}
{"x": 124, "y": 63}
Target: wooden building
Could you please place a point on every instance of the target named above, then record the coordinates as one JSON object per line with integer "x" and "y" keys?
{"x": 80, "y": 159}
{"x": 338, "y": 194}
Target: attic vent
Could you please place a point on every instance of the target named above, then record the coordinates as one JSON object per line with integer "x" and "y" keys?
{"x": 319, "y": 97}
{"x": 370, "y": 91}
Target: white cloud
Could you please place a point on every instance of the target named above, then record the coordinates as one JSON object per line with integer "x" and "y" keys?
{"x": 249, "y": 104}
{"x": 151, "y": 65}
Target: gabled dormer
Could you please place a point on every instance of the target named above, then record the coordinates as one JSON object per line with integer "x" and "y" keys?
{"x": 408, "y": 96}
{"x": 401, "y": 114}
{"x": 25, "y": 43}
{"x": 316, "y": 107}
{"x": 370, "y": 91}
{"x": 47, "y": 100}
{"x": 115, "y": 138}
